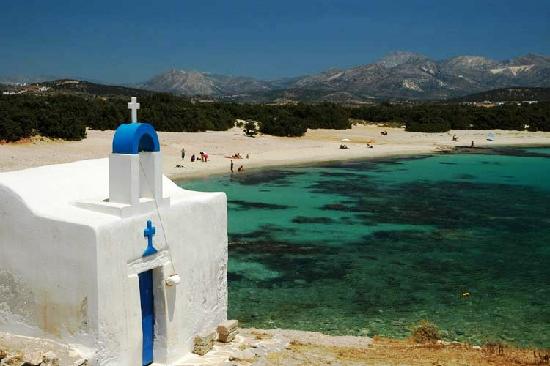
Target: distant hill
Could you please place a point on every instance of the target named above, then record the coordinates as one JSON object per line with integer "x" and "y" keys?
{"x": 10, "y": 80}
{"x": 205, "y": 84}
{"x": 75, "y": 87}
{"x": 517, "y": 94}
{"x": 400, "y": 75}
{"x": 86, "y": 87}
{"x": 303, "y": 95}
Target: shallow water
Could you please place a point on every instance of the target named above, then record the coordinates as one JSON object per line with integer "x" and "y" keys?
{"x": 372, "y": 247}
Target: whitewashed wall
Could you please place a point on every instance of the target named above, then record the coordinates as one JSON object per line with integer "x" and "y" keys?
{"x": 48, "y": 275}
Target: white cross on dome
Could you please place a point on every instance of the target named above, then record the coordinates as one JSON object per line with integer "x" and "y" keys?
{"x": 133, "y": 105}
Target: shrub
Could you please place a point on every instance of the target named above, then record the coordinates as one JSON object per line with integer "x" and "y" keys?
{"x": 284, "y": 125}
{"x": 428, "y": 124}
{"x": 494, "y": 348}
{"x": 250, "y": 128}
{"x": 425, "y": 332}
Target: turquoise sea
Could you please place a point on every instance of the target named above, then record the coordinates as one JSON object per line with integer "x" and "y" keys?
{"x": 373, "y": 247}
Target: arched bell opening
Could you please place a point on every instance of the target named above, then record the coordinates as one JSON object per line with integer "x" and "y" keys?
{"x": 135, "y": 164}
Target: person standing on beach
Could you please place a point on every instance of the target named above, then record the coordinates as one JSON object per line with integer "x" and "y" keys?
{"x": 231, "y": 166}
{"x": 183, "y": 154}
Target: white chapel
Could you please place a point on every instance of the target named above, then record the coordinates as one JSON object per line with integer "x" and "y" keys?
{"x": 111, "y": 256}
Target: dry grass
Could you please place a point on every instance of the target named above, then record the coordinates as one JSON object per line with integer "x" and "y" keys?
{"x": 260, "y": 335}
{"x": 389, "y": 352}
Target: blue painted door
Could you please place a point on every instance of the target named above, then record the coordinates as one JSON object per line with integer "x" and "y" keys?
{"x": 147, "y": 315}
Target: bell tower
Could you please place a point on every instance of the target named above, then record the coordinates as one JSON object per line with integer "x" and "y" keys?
{"x": 135, "y": 164}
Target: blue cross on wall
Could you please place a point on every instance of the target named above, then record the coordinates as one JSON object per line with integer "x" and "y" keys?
{"x": 149, "y": 232}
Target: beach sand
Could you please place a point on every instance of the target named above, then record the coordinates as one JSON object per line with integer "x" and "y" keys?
{"x": 265, "y": 151}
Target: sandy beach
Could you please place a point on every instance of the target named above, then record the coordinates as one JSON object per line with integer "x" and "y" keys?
{"x": 264, "y": 151}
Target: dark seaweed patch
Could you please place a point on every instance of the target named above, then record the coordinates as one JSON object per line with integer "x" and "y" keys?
{"x": 264, "y": 233}
{"x": 466, "y": 176}
{"x": 231, "y": 276}
{"x": 378, "y": 164}
{"x": 347, "y": 220}
{"x": 274, "y": 177}
{"x": 312, "y": 220}
{"x": 520, "y": 153}
{"x": 273, "y": 247}
{"x": 446, "y": 204}
{"x": 248, "y": 205}
{"x": 334, "y": 174}
{"x": 351, "y": 187}
{"x": 337, "y": 207}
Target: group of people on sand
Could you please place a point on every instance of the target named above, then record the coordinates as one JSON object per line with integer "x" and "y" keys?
{"x": 203, "y": 156}
{"x": 455, "y": 139}
{"x": 232, "y": 164}
{"x": 239, "y": 156}
{"x": 239, "y": 169}
{"x": 345, "y": 147}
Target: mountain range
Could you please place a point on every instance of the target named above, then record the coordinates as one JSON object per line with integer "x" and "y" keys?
{"x": 400, "y": 75}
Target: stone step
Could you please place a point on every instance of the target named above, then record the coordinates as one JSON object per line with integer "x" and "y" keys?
{"x": 226, "y": 338}
{"x": 204, "y": 343}
{"x": 228, "y": 326}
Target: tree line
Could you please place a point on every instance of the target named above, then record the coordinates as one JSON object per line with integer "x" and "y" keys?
{"x": 444, "y": 117}
{"x": 23, "y": 116}
{"x": 68, "y": 116}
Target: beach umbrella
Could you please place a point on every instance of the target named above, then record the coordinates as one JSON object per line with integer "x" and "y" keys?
{"x": 346, "y": 140}
{"x": 491, "y": 136}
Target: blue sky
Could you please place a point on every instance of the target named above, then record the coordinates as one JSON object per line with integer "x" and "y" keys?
{"x": 129, "y": 41}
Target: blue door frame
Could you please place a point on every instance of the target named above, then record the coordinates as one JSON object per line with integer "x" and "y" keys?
{"x": 147, "y": 315}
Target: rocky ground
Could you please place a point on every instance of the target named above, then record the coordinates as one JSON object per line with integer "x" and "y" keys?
{"x": 279, "y": 347}
{"x": 255, "y": 347}
{"x": 28, "y": 351}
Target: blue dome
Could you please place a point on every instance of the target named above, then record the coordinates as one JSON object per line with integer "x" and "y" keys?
{"x": 133, "y": 138}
